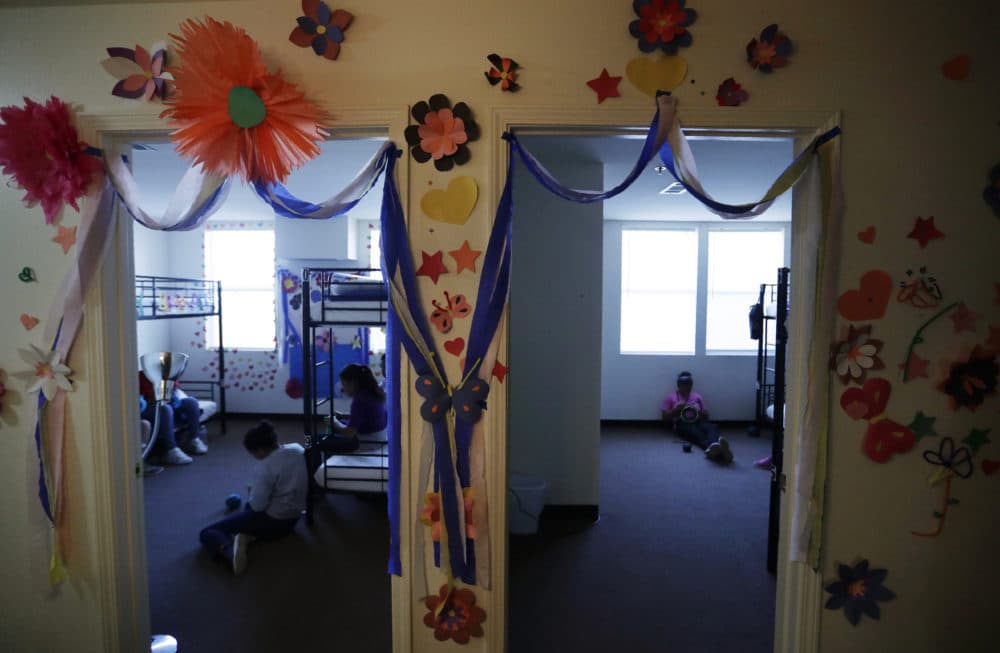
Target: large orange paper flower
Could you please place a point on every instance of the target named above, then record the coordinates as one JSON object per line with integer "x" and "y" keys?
{"x": 230, "y": 114}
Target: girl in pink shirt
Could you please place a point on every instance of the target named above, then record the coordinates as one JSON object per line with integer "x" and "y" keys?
{"x": 684, "y": 409}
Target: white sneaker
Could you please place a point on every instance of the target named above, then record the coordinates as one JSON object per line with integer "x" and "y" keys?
{"x": 197, "y": 447}
{"x": 175, "y": 457}
{"x": 240, "y": 543}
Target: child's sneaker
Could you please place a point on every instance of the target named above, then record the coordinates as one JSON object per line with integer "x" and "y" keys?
{"x": 175, "y": 457}
{"x": 240, "y": 543}
{"x": 197, "y": 447}
{"x": 726, "y": 455}
{"x": 714, "y": 452}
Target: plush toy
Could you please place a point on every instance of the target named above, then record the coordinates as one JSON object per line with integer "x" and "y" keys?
{"x": 689, "y": 414}
{"x": 233, "y": 502}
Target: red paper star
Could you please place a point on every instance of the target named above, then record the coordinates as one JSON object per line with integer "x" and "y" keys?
{"x": 917, "y": 368}
{"x": 65, "y": 237}
{"x": 993, "y": 340}
{"x": 499, "y": 371}
{"x": 964, "y": 319}
{"x": 432, "y": 266}
{"x": 465, "y": 257}
{"x": 605, "y": 86}
{"x": 924, "y": 231}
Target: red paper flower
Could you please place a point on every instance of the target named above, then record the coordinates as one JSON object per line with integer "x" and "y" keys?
{"x": 321, "y": 29}
{"x": 431, "y": 513}
{"x": 504, "y": 73}
{"x": 230, "y": 114}
{"x": 662, "y": 24}
{"x": 771, "y": 51}
{"x": 731, "y": 94}
{"x": 40, "y": 149}
{"x": 441, "y": 133}
{"x": 141, "y": 74}
{"x": 458, "y": 619}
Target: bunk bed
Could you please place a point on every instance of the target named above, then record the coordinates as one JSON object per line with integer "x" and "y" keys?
{"x": 171, "y": 298}
{"x": 346, "y": 297}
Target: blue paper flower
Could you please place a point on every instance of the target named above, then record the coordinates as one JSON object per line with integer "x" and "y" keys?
{"x": 858, "y": 591}
{"x": 992, "y": 192}
{"x": 321, "y": 28}
{"x": 771, "y": 51}
{"x": 662, "y": 24}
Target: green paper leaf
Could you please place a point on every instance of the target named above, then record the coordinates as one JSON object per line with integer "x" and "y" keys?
{"x": 976, "y": 439}
{"x": 937, "y": 514}
{"x": 922, "y": 425}
{"x": 246, "y": 109}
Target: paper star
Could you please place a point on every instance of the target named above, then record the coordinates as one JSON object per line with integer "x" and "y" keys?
{"x": 917, "y": 368}
{"x": 964, "y": 319}
{"x": 976, "y": 439}
{"x": 922, "y": 425}
{"x": 605, "y": 86}
{"x": 499, "y": 371}
{"x": 924, "y": 231}
{"x": 432, "y": 266}
{"x": 465, "y": 257}
{"x": 65, "y": 237}
{"x": 993, "y": 340}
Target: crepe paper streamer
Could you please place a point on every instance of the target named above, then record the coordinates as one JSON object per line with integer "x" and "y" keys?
{"x": 858, "y": 590}
{"x": 454, "y": 615}
{"x": 852, "y": 357}
{"x": 465, "y": 257}
{"x": 454, "y": 307}
{"x": 41, "y": 152}
{"x": 662, "y": 24}
{"x": 604, "y": 85}
{"x": 957, "y": 68}
{"x": 230, "y": 114}
{"x": 919, "y": 290}
{"x": 869, "y": 300}
{"x": 29, "y": 322}
{"x": 770, "y": 51}
{"x": 731, "y": 94}
{"x": 922, "y": 425}
{"x": 883, "y": 437}
{"x": 924, "y": 231}
{"x": 503, "y": 72}
{"x": 453, "y": 205}
{"x": 499, "y": 371}
{"x": 141, "y": 73}
{"x": 441, "y": 133}
{"x": 964, "y": 319}
{"x": 654, "y": 75}
{"x": 65, "y": 237}
{"x": 868, "y": 235}
{"x": 321, "y": 29}
{"x": 432, "y": 266}
{"x": 27, "y": 275}
{"x": 455, "y": 347}
{"x": 990, "y": 467}
{"x": 991, "y": 194}
{"x": 908, "y": 365}
{"x": 976, "y": 439}
{"x": 971, "y": 381}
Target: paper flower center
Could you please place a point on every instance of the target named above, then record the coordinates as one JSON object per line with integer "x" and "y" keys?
{"x": 43, "y": 370}
{"x": 856, "y": 589}
{"x": 321, "y": 29}
{"x": 246, "y": 109}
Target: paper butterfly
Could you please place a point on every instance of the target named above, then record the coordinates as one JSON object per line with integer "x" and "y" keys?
{"x": 442, "y": 316}
{"x": 921, "y": 291}
{"x": 469, "y": 400}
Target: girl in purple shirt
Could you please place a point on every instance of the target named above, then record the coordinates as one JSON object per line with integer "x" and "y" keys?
{"x": 367, "y": 414}
{"x": 684, "y": 409}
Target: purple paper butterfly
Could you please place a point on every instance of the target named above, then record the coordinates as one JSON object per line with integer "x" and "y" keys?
{"x": 468, "y": 400}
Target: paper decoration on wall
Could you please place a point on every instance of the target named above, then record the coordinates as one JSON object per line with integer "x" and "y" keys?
{"x": 868, "y": 235}
{"x": 661, "y": 74}
{"x": 858, "y": 591}
{"x": 432, "y": 266}
{"x": 924, "y": 231}
{"x": 731, "y": 94}
{"x": 455, "y": 347}
{"x": 914, "y": 366}
{"x": 469, "y": 400}
{"x": 453, "y": 205}
{"x": 40, "y": 150}
{"x": 662, "y": 24}
{"x": 246, "y": 372}
{"x": 453, "y": 614}
{"x": 956, "y": 68}
{"x": 230, "y": 114}
{"x": 27, "y": 275}
{"x": 993, "y": 339}
{"x": 971, "y": 381}
{"x": 605, "y": 85}
{"x": 853, "y": 357}
{"x": 503, "y": 72}
{"x": 141, "y": 73}
{"x": 320, "y": 28}
{"x": 430, "y": 515}
{"x": 991, "y": 467}
{"x": 770, "y": 51}
{"x": 65, "y": 237}
{"x": 441, "y": 132}
{"x": 47, "y": 374}
{"x": 964, "y": 319}
{"x": 950, "y": 462}
{"x": 465, "y": 257}
{"x": 922, "y": 425}
{"x": 991, "y": 194}
{"x": 883, "y": 437}
{"x": 919, "y": 290}
{"x": 870, "y": 299}
{"x": 454, "y": 307}
{"x": 976, "y": 439}
{"x": 29, "y": 322}
{"x": 499, "y": 371}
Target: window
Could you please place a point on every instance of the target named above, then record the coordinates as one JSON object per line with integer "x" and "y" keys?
{"x": 243, "y": 260}
{"x": 738, "y": 262}
{"x": 659, "y": 279}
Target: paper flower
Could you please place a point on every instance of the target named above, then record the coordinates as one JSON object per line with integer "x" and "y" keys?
{"x": 441, "y": 133}
{"x": 47, "y": 373}
{"x": 957, "y": 461}
{"x": 992, "y": 192}
{"x": 325, "y": 340}
{"x": 504, "y": 73}
{"x": 731, "y": 94}
{"x": 458, "y": 619}
{"x": 430, "y": 515}
{"x": 40, "y": 149}
{"x": 289, "y": 283}
{"x": 858, "y": 591}
{"x": 140, "y": 74}
{"x": 970, "y": 382}
{"x": 230, "y": 114}
{"x": 320, "y": 28}
{"x": 770, "y": 51}
{"x": 662, "y": 24}
{"x": 852, "y": 357}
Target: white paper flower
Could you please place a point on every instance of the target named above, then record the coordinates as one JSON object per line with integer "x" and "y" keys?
{"x": 48, "y": 374}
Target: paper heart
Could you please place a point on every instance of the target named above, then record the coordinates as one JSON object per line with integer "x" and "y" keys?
{"x": 868, "y": 401}
{"x": 869, "y": 301}
{"x": 867, "y": 236}
{"x": 651, "y": 75}
{"x": 455, "y": 347}
{"x": 990, "y": 467}
{"x": 453, "y": 205}
{"x": 956, "y": 68}
{"x": 26, "y": 275}
{"x": 29, "y": 322}
{"x": 886, "y": 437}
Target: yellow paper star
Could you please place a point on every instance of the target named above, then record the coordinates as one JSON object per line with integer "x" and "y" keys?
{"x": 465, "y": 257}
{"x": 66, "y": 238}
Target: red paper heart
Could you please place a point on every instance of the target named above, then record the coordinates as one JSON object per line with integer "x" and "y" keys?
{"x": 990, "y": 467}
{"x": 869, "y": 301}
{"x": 455, "y": 347}
{"x": 956, "y": 68}
{"x": 29, "y": 322}
{"x": 867, "y": 236}
{"x": 868, "y": 401}
{"x": 884, "y": 438}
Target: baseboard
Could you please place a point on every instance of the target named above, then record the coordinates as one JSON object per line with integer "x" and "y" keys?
{"x": 573, "y": 512}
{"x": 724, "y": 423}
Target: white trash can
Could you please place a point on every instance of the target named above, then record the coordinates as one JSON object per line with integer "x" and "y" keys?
{"x": 525, "y": 501}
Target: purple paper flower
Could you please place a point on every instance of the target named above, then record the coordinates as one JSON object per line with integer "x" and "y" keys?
{"x": 771, "y": 51}
{"x": 140, "y": 74}
{"x": 731, "y": 94}
{"x": 662, "y": 24}
{"x": 858, "y": 591}
{"x": 992, "y": 192}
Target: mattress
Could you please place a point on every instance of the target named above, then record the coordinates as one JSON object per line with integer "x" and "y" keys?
{"x": 358, "y": 290}
{"x": 364, "y": 470}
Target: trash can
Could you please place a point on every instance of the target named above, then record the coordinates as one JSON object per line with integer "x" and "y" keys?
{"x": 525, "y": 501}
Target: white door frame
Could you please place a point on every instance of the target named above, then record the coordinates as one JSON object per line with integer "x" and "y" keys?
{"x": 799, "y": 589}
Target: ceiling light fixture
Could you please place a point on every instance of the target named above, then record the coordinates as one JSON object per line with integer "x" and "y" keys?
{"x": 676, "y": 188}
{"x": 659, "y": 168}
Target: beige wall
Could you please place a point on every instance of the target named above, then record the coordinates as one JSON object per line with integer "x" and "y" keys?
{"x": 914, "y": 144}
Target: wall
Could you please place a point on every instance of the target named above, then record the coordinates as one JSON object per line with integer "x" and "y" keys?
{"x": 555, "y": 336}
{"x": 915, "y": 144}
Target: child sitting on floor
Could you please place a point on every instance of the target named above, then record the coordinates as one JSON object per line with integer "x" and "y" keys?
{"x": 685, "y": 410}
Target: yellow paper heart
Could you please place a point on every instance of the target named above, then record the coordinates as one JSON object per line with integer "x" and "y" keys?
{"x": 453, "y": 205}
{"x": 652, "y": 75}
